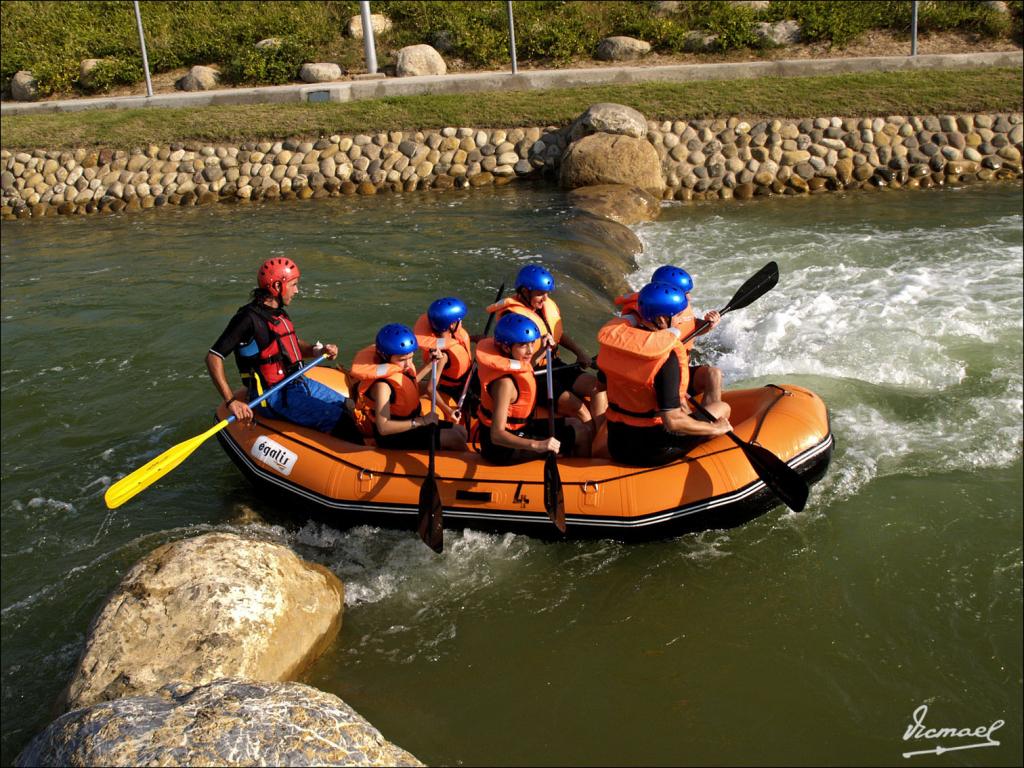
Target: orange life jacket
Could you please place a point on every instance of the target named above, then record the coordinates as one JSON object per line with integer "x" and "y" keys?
{"x": 493, "y": 364}
{"x": 405, "y": 393}
{"x": 686, "y": 323}
{"x": 549, "y": 320}
{"x": 457, "y": 347}
{"x": 630, "y": 359}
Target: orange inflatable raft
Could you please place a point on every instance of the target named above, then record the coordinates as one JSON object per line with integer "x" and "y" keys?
{"x": 714, "y": 486}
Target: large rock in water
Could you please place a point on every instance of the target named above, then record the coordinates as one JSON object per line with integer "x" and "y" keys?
{"x": 604, "y": 158}
{"x": 200, "y": 609}
{"x": 609, "y": 118}
{"x": 228, "y": 722}
{"x": 615, "y": 202}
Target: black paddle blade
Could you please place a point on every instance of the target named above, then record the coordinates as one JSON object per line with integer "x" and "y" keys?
{"x": 554, "y": 501}
{"x": 781, "y": 479}
{"x": 756, "y": 287}
{"x": 431, "y": 527}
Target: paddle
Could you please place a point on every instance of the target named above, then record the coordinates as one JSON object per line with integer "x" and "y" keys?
{"x": 756, "y": 287}
{"x": 431, "y": 527}
{"x": 145, "y": 476}
{"x": 554, "y": 501}
{"x": 781, "y": 479}
{"x": 457, "y": 413}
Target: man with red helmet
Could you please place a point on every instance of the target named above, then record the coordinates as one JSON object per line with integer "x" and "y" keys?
{"x": 267, "y": 349}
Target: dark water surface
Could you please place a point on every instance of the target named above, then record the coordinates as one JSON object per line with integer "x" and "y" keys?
{"x": 807, "y": 639}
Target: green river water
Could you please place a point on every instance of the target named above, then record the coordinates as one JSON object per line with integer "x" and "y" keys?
{"x": 798, "y": 639}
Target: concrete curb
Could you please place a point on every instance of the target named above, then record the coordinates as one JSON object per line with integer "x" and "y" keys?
{"x": 356, "y": 90}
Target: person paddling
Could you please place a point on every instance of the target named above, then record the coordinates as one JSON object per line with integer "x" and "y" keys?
{"x": 389, "y": 386}
{"x": 645, "y": 367}
{"x": 508, "y": 396}
{"x": 440, "y": 328}
{"x": 532, "y": 300}
{"x": 267, "y": 349}
{"x": 704, "y": 379}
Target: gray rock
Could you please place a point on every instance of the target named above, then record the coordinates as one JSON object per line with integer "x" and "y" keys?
{"x": 609, "y": 118}
{"x": 199, "y": 79}
{"x": 696, "y": 41}
{"x": 418, "y": 60}
{"x": 780, "y": 33}
{"x": 24, "y": 86}
{"x": 320, "y": 72}
{"x": 212, "y": 606}
{"x": 226, "y": 722}
{"x": 268, "y": 42}
{"x": 621, "y": 48}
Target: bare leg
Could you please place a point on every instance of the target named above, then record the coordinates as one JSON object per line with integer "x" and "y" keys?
{"x": 453, "y": 439}
{"x": 707, "y": 381}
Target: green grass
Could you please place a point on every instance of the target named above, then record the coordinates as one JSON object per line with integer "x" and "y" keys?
{"x": 884, "y": 93}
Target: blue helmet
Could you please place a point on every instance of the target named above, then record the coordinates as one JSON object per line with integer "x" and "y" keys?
{"x": 659, "y": 300}
{"x": 674, "y": 276}
{"x": 443, "y": 312}
{"x": 516, "y": 329}
{"x": 534, "y": 277}
{"x": 396, "y": 339}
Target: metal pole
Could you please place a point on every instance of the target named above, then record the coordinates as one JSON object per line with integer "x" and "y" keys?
{"x": 142, "y": 42}
{"x": 512, "y": 37}
{"x": 913, "y": 28}
{"x": 368, "y": 47}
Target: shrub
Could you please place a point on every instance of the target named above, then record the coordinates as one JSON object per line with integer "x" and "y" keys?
{"x": 273, "y": 65}
{"x": 110, "y": 72}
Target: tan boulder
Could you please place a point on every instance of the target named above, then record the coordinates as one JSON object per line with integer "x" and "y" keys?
{"x": 218, "y": 605}
{"x": 616, "y": 202}
{"x": 603, "y": 158}
{"x": 418, "y": 60}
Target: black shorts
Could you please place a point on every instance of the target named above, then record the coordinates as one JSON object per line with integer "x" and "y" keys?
{"x": 689, "y": 387}
{"x": 533, "y": 430}
{"x": 647, "y": 446}
{"x": 414, "y": 440}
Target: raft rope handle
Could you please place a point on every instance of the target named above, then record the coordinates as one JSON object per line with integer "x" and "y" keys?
{"x": 761, "y": 419}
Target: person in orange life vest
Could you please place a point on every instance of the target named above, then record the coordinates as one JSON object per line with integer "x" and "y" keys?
{"x": 440, "y": 328}
{"x": 644, "y": 365}
{"x": 508, "y": 396}
{"x": 533, "y": 285}
{"x": 267, "y": 349}
{"x": 704, "y": 379}
{"x": 390, "y": 385}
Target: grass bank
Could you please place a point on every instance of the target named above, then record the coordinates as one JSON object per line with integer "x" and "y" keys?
{"x": 881, "y": 93}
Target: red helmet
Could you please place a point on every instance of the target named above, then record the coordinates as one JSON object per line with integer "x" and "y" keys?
{"x": 274, "y": 270}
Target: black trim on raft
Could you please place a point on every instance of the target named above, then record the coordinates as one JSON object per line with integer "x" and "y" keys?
{"x": 725, "y": 511}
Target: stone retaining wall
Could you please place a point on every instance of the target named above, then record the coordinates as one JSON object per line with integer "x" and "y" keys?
{"x": 701, "y": 159}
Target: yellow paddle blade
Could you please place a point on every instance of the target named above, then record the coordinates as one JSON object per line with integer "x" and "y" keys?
{"x": 145, "y": 476}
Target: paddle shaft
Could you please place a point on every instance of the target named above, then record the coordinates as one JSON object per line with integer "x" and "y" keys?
{"x": 280, "y": 385}
{"x": 431, "y": 513}
{"x": 554, "y": 502}
{"x": 472, "y": 368}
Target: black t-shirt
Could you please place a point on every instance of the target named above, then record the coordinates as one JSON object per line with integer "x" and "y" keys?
{"x": 666, "y": 384}
{"x": 243, "y": 329}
